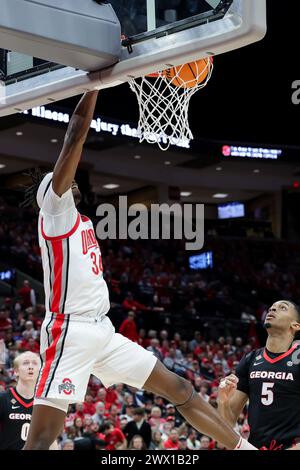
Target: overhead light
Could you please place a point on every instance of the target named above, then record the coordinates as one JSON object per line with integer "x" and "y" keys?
{"x": 54, "y": 141}
{"x": 167, "y": 162}
{"x": 185, "y": 193}
{"x": 256, "y": 170}
{"x": 219, "y": 168}
{"x": 19, "y": 133}
{"x": 137, "y": 157}
{"x": 111, "y": 186}
{"x": 220, "y": 195}
{"x": 2, "y": 166}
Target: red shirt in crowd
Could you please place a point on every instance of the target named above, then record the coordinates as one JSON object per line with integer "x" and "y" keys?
{"x": 89, "y": 408}
{"x": 5, "y": 324}
{"x": 111, "y": 396}
{"x": 128, "y": 329}
{"x": 24, "y": 293}
{"x": 168, "y": 444}
{"x": 32, "y": 346}
{"x": 113, "y": 438}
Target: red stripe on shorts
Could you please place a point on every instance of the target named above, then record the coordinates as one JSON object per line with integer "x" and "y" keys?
{"x": 50, "y": 355}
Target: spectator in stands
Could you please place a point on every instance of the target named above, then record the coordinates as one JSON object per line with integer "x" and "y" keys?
{"x": 192, "y": 442}
{"x": 119, "y": 394}
{"x": 98, "y": 416}
{"x": 101, "y": 395}
{"x": 206, "y": 369}
{"x": 166, "y": 428}
{"x": 172, "y": 442}
{"x": 113, "y": 415}
{"x": 71, "y": 432}
{"x": 128, "y": 328}
{"x": 143, "y": 339}
{"x": 9, "y": 339}
{"x": 87, "y": 423}
{"x": 159, "y": 401}
{"x": 114, "y": 438}
{"x": 28, "y": 296}
{"x": 29, "y": 331}
{"x": 5, "y": 321}
{"x": 137, "y": 443}
{"x": 156, "y": 442}
{"x": 78, "y": 424}
{"x": 127, "y": 411}
{"x": 194, "y": 343}
{"x": 89, "y": 407}
{"x": 123, "y": 422}
{"x": 174, "y": 360}
{"x": 130, "y": 304}
{"x": 204, "y": 443}
{"x": 155, "y": 349}
{"x": 112, "y": 396}
{"x": 182, "y": 443}
{"x": 68, "y": 444}
{"x": 204, "y": 391}
{"x": 30, "y": 345}
{"x": 156, "y": 421}
{"x": 171, "y": 412}
{"x": 79, "y": 411}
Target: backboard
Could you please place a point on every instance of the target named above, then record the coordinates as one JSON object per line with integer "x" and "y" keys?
{"x": 157, "y": 34}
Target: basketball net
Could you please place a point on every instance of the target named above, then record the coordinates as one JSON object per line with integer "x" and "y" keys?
{"x": 164, "y": 104}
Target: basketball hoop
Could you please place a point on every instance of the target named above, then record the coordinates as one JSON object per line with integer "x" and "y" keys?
{"x": 164, "y": 99}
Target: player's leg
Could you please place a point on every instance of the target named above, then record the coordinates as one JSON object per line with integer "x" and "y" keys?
{"x": 47, "y": 423}
{"x": 190, "y": 405}
{"x": 127, "y": 362}
{"x": 67, "y": 350}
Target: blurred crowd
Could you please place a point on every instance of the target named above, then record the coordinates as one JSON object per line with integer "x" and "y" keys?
{"x": 123, "y": 417}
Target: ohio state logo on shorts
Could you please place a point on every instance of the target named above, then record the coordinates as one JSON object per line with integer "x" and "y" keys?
{"x": 66, "y": 387}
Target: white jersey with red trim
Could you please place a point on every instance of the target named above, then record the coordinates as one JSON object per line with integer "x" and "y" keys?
{"x": 72, "y": 263}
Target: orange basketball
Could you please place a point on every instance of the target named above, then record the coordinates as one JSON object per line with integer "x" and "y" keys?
{"x": 189, "y": 75}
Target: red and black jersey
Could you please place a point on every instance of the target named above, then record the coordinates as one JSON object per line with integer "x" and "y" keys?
{"x": 272, "y": 383}
{"x": 15, "y": 416}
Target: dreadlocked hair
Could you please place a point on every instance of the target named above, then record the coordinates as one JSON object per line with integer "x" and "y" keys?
{"x": 36, "y": 176}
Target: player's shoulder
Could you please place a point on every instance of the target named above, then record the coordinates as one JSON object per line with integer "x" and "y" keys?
{"x": 255, "y": 354}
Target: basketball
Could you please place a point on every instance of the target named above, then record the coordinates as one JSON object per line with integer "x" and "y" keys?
{"x": 189, "y": 75}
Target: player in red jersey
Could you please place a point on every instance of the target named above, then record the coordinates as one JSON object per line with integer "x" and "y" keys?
{"x": 77, "y": 337}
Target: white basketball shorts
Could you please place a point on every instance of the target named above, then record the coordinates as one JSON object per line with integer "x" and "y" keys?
{"x": 73, "y": 348}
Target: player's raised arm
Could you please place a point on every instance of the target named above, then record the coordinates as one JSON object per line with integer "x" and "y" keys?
{"x": 230, "y": 400}
{"x": 66, "y": 165}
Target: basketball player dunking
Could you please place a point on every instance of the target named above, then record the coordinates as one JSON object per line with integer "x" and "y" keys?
{"x": 270, "y": 379}
{"x": 77, "y": 338}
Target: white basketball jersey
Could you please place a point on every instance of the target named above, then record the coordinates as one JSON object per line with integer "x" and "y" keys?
{"x": 73, "y": 272}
